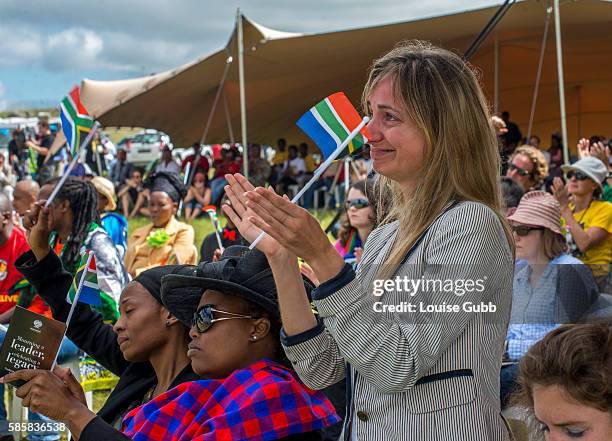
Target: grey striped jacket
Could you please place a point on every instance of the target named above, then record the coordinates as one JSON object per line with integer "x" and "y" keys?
{"x": 421, "y": 376}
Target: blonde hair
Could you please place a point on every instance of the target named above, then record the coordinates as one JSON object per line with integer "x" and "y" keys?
{"x": 441, "y": 95}
{"x": 536, "y": 157}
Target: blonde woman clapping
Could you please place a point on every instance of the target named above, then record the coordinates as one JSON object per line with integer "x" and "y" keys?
{"x": 429, "y": 371}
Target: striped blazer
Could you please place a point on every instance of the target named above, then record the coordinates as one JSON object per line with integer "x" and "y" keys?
{"x": 420, "y": 374}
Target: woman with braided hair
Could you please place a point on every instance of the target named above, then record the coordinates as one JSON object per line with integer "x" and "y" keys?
{"x": 76, "y": 225}
{"x": 165, "y": 240}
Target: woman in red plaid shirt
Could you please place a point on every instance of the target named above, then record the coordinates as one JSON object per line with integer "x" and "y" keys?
{"x": 249, "y": 392}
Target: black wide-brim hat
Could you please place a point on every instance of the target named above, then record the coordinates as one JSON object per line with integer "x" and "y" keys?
{"x": 240, "y": 272}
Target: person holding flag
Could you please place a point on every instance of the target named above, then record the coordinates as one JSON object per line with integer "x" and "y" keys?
{"x": 146, "y": 347}
{"x": 76, "y": 225}
{"x": 410, "y": 373}
{"x": 15, "y": 290}
{"x": 246, "y": 390}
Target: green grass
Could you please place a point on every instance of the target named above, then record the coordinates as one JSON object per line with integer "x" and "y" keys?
{"x": 202, "y": 227}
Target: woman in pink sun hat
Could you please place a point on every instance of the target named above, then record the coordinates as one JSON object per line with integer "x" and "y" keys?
{"x": 550, "y": 286}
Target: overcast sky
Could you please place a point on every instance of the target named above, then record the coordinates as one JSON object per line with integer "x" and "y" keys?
{"x": 48, "y": 46}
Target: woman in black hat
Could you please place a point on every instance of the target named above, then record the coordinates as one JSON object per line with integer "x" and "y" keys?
{"x": 165, "y": 240}
{"x": 146, "y": 348}
{"x": 249, "y": 393}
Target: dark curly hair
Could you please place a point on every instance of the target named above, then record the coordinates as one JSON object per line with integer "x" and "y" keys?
{"x": 83, "y": 200}
{"x": 576, "y": 357}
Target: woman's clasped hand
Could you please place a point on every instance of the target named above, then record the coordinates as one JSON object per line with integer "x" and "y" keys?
{"x": 290, "y": 230}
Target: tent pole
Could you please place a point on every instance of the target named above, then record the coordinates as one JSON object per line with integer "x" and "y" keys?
{"x": 579, "y": 110}
{"x": 243, "y": 120}
{"x": 216, "y": 100}
{"x": 561, "y": 83}
{"x": 496, "y": 74}
{"x": 499, "y": 14}
{"x": 228, "y": 120}
{"x": 539, "y": 74}
{"x": 196, "y": 161}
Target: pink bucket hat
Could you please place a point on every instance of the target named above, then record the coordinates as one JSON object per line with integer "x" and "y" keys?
{"x": 538, "y": 209}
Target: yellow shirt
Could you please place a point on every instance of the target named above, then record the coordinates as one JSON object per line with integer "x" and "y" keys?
{"x": 279, "y": 157}
{"x": 311, "y": 165}
{"x": 179, "y": 249}
{"x": 598, "y": 214}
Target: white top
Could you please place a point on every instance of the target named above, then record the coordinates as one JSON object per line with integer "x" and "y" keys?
{"x": 171, "y": 167}
{"x": 298, "y": 166}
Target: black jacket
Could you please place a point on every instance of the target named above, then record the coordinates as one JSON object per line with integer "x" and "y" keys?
{"x": 97, "y": 339}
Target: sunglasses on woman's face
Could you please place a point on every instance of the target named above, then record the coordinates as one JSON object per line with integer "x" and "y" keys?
{"x": 356, "y": 203}
{"x": 204, "y": 318}
{"x": 519, "y": 170}
{"x": 578, "y": 175}
{"x": 523, "y": 230}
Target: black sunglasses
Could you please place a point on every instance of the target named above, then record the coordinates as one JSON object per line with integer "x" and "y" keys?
{"x": 356, "y": 203}
{"x": 523, "y": 230}
{"x": 519, "y": 170}
{"x": 204, "y": 318}
{"x": 578, "y": 175}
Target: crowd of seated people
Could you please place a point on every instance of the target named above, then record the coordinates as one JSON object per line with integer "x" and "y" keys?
{"x": 221, "y": 329}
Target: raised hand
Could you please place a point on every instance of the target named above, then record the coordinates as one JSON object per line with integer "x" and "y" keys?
{"x": 38, "y": 223}
{"x": 597, "y": 150}
{"x": 560, "y": 193}
{"x": 242, "y": 216}
{"x": 295, "y": 229}
{"x": 583, "y": 148}
{"x": 499, "y": 125}
{"x": 601, "y": 152}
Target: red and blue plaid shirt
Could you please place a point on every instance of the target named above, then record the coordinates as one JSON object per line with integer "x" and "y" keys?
{"x": 265, "y": 401}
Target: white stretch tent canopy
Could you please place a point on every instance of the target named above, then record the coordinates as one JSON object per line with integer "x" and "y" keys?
{"x": 286, "y": 73}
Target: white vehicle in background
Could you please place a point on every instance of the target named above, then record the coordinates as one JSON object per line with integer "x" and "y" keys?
{"x": 146, "y": 146}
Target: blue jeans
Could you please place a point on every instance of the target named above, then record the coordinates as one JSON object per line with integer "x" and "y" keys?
{"x": 508, "y": 383}
{"x": 68, "y": 351}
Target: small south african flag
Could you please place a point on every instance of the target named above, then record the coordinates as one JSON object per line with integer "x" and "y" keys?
{"x": 211, "y": 210}
{"x": 330, "y": 122}
{"x": 76, "y": 122}
{"x": 90, "y": 291}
